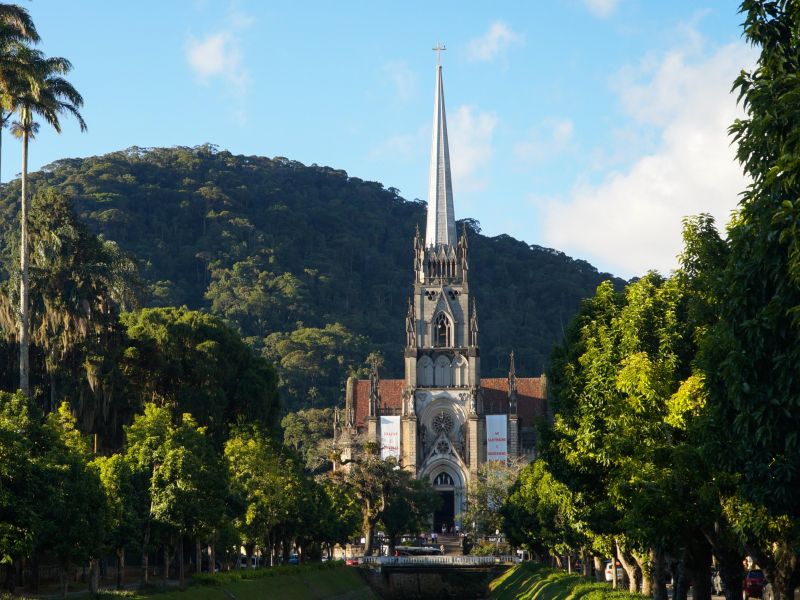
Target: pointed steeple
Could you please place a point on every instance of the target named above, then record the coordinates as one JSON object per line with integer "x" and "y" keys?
{"x": 512, "y": 386}
{"x": 441, "y": 226}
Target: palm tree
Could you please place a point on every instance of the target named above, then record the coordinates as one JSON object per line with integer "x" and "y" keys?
{"x": 49, "y": 97}
{"x": 16, "y": 30}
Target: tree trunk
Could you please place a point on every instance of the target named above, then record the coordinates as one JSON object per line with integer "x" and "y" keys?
{"x": 181, "y": 570}
{"x": 212, "y": 559}
{"x": 701, "y": 584}
{"x": 645, "y": 563}
{"x": 120, "y": 567}
{"x": 659, "y": 575}
{"x": 698, "y": 565}
{"x": 630, "y": 568}
{"x": 680, "y": 584}
{"x": 2, "y": 124}
{"x": 248, "y": 552}
{"x": 11, "y": 577}
{"x": 63, "y": 581}
{"x": 198, "y": 557}
{"x": 94, "y": 575}
{"x": 599, "y": 575}
{"x": 35, "y": 572}
{"x": 145, "y": 553}
{"x": 369, "y": 530}
{"x": 24, "y": 317}
{"x": 781, "y": 569}
{"x": 166, "y": 563}
{"x": 729, "y": 560}
{"x": 586, "y": 567}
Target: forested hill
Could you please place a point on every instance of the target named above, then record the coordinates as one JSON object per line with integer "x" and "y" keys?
{"x": 314, "y": 267}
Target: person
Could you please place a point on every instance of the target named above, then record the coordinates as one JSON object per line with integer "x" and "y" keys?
{"x": 441, "y": 547}
{"x": 457, "y": 529}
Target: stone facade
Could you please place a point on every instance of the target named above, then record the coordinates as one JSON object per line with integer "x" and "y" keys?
{"x": 442, "y": 401}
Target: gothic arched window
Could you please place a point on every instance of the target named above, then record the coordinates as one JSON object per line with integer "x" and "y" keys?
{"x": 425, "y": 371}
{"x": 441, "y": 374}
{"x": 442, "y": 332}
{"x": 459, "y": 371}
{"x": 443, "y": 479}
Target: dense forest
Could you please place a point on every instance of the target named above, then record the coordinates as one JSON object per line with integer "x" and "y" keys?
{"x": 313, "y": 267}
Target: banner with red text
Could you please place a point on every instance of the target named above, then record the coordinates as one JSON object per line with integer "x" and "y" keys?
{"x": 390, "y": 437}
{"x": 496, "y": 437}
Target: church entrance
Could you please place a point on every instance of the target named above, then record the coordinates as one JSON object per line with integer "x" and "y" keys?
{"x": 446, "y": 514}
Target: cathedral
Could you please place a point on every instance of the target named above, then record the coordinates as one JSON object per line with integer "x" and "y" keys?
{"x": 442, "y": 420}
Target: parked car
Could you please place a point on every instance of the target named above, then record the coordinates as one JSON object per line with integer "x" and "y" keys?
{"x": 294, "y": 559}
{"x": 352, "y": 561}
{"x": 754, "y": 582}
{"x": 610, "y": 573}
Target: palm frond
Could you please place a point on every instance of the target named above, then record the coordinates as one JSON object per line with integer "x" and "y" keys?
{"x": 17, "y": 20}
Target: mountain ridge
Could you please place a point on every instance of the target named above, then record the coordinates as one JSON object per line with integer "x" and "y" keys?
{"x": 288, "y": 252}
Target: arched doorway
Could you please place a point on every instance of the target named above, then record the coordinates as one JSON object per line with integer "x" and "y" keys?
{"x": 444, "y": 517}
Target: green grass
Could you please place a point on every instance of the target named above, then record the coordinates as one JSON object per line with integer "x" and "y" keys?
{"x": 529, "y": 581}
{"x": 307, "y": 582}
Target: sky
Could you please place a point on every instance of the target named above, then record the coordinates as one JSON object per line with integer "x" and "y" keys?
{"x": 589, "y": 126}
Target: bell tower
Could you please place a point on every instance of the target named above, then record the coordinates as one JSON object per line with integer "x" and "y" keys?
{"x": 442, "y": 412}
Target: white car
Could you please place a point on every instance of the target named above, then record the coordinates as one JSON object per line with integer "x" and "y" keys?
{"x": 610, "y": 574}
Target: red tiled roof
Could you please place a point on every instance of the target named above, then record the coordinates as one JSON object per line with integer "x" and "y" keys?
{"x": 391, "y": 397}
{"x": 530, "y": 399}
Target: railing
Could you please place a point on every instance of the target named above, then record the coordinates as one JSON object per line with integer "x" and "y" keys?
{"x": 455, "y": 561}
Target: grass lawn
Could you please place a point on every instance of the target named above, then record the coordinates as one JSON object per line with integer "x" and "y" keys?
{"x": 529, "y": 581}
{"x": 310, "y": 582}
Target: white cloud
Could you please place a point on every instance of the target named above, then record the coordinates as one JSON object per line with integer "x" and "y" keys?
{"x": 399, "y": 146}
{"x": 216, "y": 54}
{"x": 470, "y": 133}
{"x": 219, "y": 56}
{"x": 551, "y": 138}
{"x": 494, "y": 43}
{"x": 631, "y": 221}
{"x": 601, "y": 8}
{"x": 402, "y": 78}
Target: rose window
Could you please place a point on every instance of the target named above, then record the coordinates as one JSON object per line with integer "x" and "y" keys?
{"x": 443, "y": 423}
{"x": 442, "y": 447}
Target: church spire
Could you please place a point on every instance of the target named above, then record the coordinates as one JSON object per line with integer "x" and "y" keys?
{"x": 441, "y": 225}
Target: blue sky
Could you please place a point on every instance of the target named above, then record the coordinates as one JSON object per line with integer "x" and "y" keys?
{"x": 590, "y": 126}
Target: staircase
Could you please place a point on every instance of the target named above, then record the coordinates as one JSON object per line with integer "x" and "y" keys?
{"x": 452, "y": 544}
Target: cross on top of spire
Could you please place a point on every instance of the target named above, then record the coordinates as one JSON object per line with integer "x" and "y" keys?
{"x": 439, "y": 48}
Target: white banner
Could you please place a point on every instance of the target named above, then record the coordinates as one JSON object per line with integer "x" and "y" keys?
{"x": 390, "y": 437}
{"x": 496, "y": 437}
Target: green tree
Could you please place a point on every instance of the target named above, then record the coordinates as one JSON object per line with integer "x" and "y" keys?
{"x": 49, "y": 97}
{"x": 409, "y": 507}
{"x": 16, "y": 30}
{"x": 127, "y": 501}
{"x": 312, "y": 362}
{"x": 542, "y": 514}
{"x": 753, "y": 357}
{"x": 78, "y": 283}
{"x": 20, "y": 443}
{"x": 192, "y": 362}
{"x": 266, "y": 488}
{"x": 189, "y": 487}
{"x": 74, "y": 516}
{"x": 487, "y": 494}
{"x": 145, "y": 451}
{"x": 309, "y": 433}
